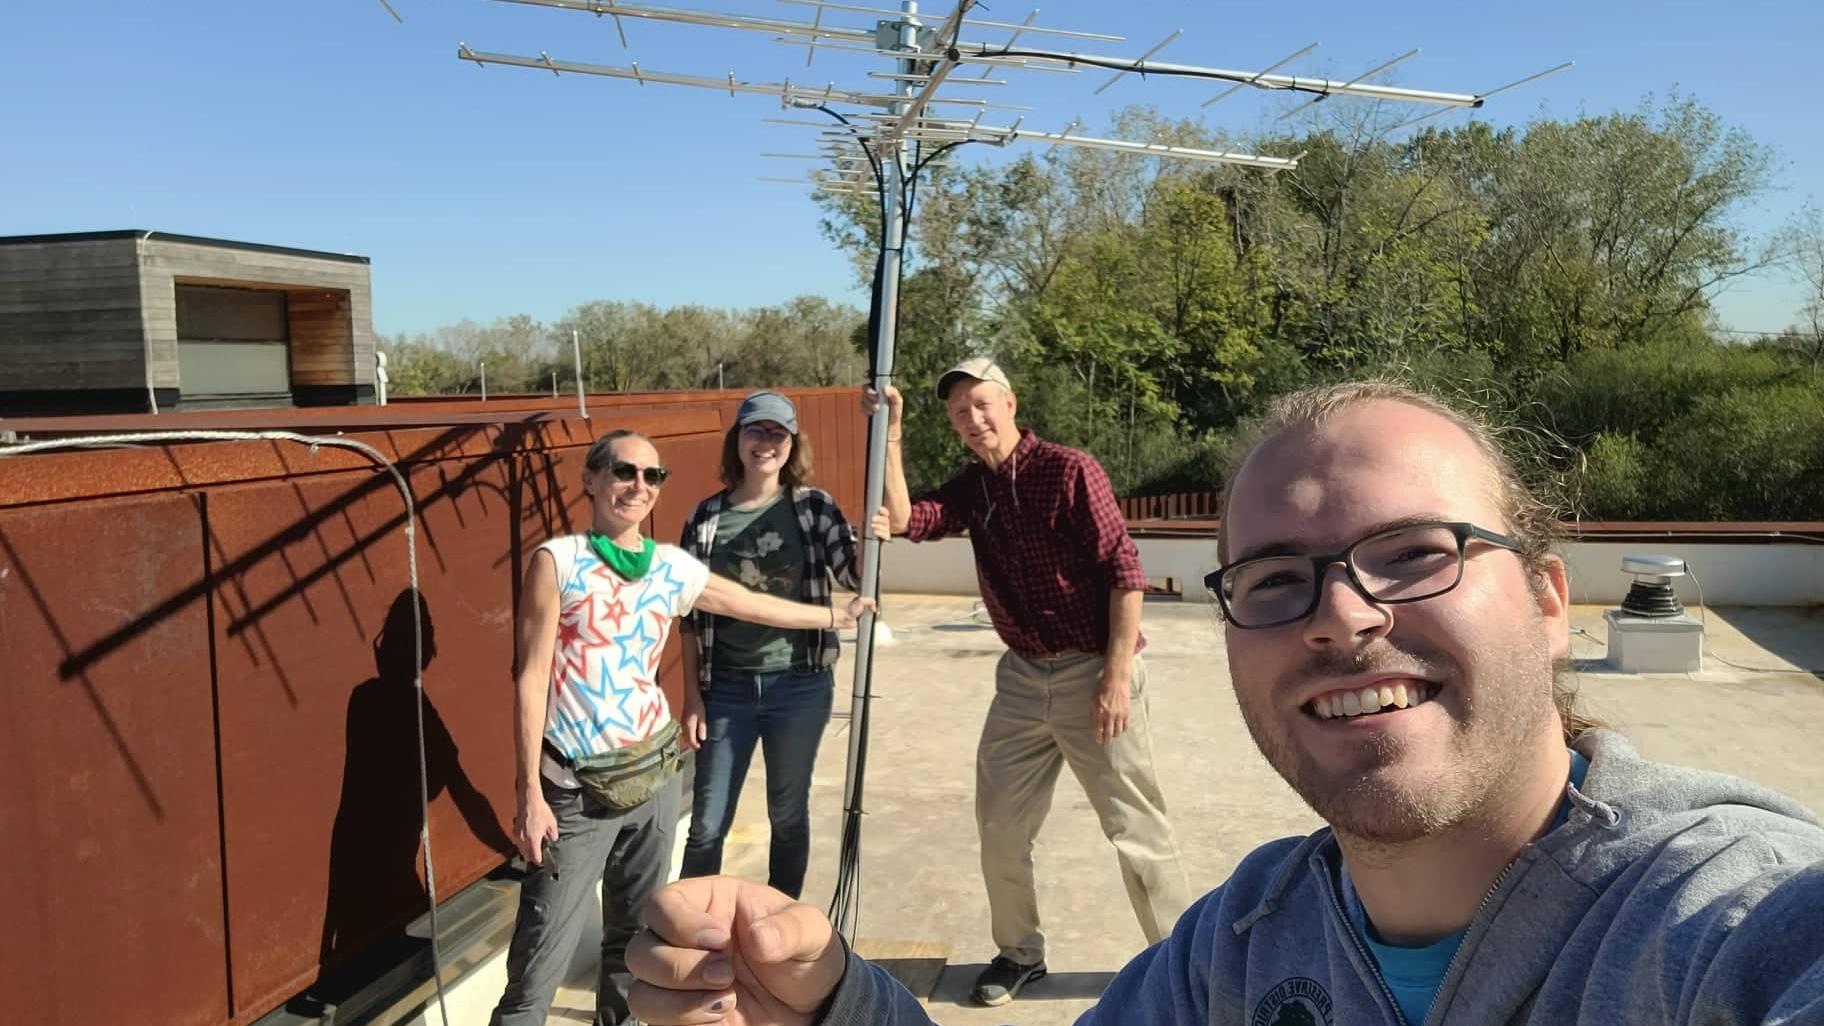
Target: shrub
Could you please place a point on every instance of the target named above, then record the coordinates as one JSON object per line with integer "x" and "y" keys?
{"x": 1748, "y": 454}
{"x": 1613, "y": 480}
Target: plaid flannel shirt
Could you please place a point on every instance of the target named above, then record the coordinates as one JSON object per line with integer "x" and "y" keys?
{"x": 829, "y": 551}
{"x": 1050, "y": 544}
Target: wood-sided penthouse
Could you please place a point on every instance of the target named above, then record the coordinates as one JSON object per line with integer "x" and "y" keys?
{"x": 115, "y": 322}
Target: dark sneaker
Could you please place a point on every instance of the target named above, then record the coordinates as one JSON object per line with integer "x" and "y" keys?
{"x": 1003, "y": 979}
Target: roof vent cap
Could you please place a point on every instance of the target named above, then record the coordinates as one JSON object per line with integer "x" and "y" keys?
{"x": 1651, "y": 594}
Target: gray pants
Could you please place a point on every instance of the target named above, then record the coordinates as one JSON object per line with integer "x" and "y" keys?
{"x": 1040, "y": 720}
{"x": 630, "y": 855}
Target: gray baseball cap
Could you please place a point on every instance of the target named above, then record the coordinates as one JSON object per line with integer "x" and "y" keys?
{"x": 768, "y": 406}
{"x": 980, "y": 368}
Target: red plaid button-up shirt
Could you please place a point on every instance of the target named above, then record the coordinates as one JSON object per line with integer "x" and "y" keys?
{"x": 1050, "y": 543}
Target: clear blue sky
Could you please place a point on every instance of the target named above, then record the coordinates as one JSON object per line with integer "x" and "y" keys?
{"x": 485, "y": 192}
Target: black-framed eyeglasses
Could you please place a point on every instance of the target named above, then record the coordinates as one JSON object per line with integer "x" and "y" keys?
{"x": 623, "y": 471}
{"x": 1401, "y": 564}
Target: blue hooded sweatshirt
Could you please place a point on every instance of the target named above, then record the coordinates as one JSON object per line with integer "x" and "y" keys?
{"x": 1669, "y": 895}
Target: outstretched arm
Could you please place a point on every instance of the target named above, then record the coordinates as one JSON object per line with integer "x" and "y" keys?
{"x": 722, "y": 950}
{"x": 727, "y": 598}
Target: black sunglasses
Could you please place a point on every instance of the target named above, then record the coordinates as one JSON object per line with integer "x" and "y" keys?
{"x": 1401, "y": 564}
{"x": 622, "y": 471}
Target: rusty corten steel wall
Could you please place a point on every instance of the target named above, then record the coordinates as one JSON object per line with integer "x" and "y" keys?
{"x": 109, "y": 817}
{"x": 207, "y": 690}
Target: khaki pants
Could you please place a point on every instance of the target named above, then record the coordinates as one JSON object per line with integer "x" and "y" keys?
{"x": 1042, "y": 718}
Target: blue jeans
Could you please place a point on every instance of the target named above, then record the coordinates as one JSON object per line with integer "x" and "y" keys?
{"x": 785, "y": 712}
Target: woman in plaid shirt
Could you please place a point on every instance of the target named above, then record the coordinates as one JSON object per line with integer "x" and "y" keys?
{"x": 747, "y": 684}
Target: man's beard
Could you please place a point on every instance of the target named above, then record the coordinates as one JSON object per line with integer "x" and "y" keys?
{"x": 1488, "y": 730}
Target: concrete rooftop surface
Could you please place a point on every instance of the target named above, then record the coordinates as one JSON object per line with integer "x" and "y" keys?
{"x": 1756, "y": 711}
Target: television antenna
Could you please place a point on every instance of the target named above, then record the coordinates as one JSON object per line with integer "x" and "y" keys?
{"x": 939, "y": 94}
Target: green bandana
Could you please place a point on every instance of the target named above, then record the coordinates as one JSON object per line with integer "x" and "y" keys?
{"x": 630, "y": 564}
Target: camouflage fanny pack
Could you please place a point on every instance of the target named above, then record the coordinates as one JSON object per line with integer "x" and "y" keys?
{"x": 626, "y": 778}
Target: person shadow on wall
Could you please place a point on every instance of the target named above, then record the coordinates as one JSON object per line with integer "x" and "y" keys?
{"x": 374, "y": 885}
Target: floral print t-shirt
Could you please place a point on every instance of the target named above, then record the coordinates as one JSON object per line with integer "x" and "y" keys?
{"x": 761, "y": 548}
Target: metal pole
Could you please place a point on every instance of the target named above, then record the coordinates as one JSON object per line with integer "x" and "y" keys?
{"x": 554, "y": 384}
{"x": 891, "y": 248}
{"x": 151, "y": 389}
{"x": 576, "y": 350}
{"x": 484, "y": 381}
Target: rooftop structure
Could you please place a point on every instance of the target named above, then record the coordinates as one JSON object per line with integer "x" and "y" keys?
{"x": 144, "y": 321}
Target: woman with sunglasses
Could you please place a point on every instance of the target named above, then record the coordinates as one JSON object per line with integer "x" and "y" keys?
{"x": 753, "y": 684}
{"x": 597, "y": 745}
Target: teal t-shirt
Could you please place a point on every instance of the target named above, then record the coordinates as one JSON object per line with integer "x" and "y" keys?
{"x": 1414, "y": 974}
{"x": 763, "y": 549}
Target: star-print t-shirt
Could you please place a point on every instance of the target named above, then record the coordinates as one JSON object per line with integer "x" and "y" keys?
{"x": 605, "y": 666}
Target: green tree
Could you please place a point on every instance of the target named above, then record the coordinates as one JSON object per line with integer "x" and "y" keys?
{"x": 1805, "y": 244}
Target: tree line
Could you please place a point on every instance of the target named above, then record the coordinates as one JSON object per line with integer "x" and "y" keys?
{"x": 1560, "y": 275}
{"x": 634, "y": 347}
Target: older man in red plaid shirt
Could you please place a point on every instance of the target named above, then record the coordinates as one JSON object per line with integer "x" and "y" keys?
{"x": 1063, "y": 583}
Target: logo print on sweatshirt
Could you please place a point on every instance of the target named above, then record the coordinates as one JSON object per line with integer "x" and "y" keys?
{"x": 1295, "y": 1002}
